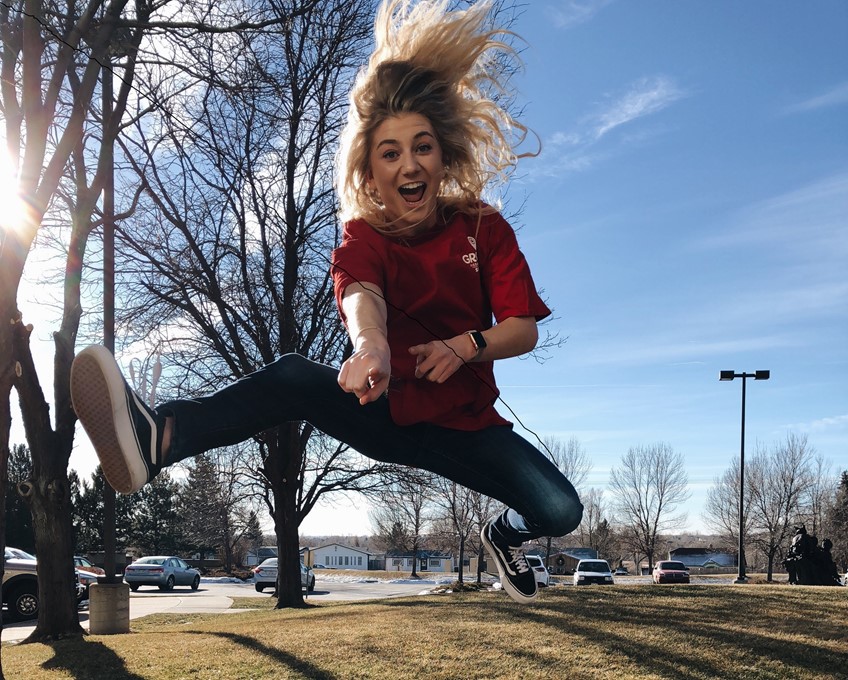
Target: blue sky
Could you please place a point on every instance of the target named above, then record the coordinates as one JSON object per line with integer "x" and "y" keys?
{"x": 688, "y": 214}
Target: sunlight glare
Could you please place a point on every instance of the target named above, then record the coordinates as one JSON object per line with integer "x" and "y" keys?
{"x": 12, "y": 207}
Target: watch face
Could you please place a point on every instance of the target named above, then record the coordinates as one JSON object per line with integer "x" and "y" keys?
{"x": 479, "y": 340}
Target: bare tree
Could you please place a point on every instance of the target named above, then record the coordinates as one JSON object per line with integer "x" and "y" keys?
{"x": 457, "y": 505}
{"x": 779, "y": 477}
{"x": 54, "y": 56}
{"x": 819, "y": 495}
{"x": 572, "y": 460}
{"x": 595, "y": 530}
{"x": 647, "y": 487}
{"x": 403, "y": 510}
{"x": 721, "y": 512}
{"x": 227, "y": 256}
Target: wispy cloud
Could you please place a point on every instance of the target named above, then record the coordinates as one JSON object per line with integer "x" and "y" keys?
{"x": 645, "y": 96}
{"x": 836, "y": 96}
{"x": 822, "y": 424}
{"x": 810, "y": 217}
{"x": 572, "y": 13}
{"x": 576, "y": 150}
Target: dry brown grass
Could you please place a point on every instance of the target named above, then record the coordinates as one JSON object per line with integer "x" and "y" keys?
{"x": 601, "y": 632}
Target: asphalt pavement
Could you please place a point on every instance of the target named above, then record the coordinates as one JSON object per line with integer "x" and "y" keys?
{"x": 140, "y": 605}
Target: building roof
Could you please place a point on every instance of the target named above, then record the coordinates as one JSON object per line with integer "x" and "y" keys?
{"x": 340, "y": 545}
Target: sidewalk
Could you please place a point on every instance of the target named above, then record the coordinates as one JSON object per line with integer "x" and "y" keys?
{"x": 140, "y": 605}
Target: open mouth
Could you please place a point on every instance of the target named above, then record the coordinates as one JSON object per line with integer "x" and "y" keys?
{"x": 413, "y": 192}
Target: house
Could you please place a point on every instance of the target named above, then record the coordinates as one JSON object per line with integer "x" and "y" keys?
{"x": 428, "y": 560}
{"x": 337, "y": 556}
{"x": 704, "y": 558}
{"x": 254, "y": 557}
{"x": 565, "y": 561}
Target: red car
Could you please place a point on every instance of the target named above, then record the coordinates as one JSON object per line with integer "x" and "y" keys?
{"x": 668, "y": 571}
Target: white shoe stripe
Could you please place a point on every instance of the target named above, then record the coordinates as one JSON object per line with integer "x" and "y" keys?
{"x": 152, "y": 423}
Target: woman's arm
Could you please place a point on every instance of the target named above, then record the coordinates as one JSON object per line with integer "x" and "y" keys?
{"x": 439, "y": 360}
{"x": 366, "y": 373}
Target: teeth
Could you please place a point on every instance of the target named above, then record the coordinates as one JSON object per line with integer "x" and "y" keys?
{"x": 412, "y": 186}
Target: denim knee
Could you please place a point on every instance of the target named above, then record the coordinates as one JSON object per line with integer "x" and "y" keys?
{"x": 560, "y": 516}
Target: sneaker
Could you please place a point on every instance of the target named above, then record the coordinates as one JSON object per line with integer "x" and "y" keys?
{"x": 125, "y": 432}
{"x": 517, "y": 577}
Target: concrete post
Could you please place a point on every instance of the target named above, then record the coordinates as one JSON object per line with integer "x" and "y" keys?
{"x": 109, "y": 608}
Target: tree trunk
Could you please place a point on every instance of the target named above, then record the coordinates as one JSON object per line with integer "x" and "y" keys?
{"x": 461, "y": 559}
{"x": 283, "y": 470}
{"x": 48, "y": 493}
{"x": 8, "y": 312}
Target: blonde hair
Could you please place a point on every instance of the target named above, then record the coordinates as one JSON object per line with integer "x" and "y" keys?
{"x": 441, "y": 65}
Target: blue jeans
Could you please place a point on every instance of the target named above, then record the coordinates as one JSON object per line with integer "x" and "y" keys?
{"x": 494, "y": 461}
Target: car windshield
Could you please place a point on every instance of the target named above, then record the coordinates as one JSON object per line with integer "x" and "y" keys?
{"x": 151, "y": 560}
{"x": 270, "y": 562}
{"x": 17, "y": 554}
{"x": 594, "y": 566}
{"x": 672, "y": 566}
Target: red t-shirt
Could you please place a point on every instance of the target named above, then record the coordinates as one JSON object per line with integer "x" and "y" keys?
{"x": 453, "y": 280}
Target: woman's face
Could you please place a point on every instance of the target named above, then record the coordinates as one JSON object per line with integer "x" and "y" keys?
{"x": 406, "y": 170}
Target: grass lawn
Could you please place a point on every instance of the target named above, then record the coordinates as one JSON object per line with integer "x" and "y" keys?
{"x": 619, "y": 632}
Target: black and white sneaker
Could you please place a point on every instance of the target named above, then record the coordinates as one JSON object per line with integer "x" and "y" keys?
{"x": 517, "y": 577}
{"x": 125, "y": 432}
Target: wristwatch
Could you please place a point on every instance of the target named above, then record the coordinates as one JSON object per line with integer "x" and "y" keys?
{"x": 479, "y": 343}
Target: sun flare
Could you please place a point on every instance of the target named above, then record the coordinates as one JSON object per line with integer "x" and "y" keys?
{"x": 12, "y": 207}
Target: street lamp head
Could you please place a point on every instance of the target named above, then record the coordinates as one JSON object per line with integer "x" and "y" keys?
{"x": 727, "y": 375}
{"x": 762, "y": 375}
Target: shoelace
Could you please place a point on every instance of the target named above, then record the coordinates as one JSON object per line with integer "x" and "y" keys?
{"x": 518, "y": 560}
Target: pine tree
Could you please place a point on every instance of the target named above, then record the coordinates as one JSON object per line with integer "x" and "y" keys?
{"x": 156, "y": 528}
{"x": 202, "y": 513}
{"x": 19, "y": 532}
{"x": 837, "y": 524}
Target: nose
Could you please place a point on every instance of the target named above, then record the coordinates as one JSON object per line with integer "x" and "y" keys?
{"x": 410, "y": 164}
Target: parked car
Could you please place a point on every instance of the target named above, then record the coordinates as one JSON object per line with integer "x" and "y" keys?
{"x": 540, "y": 571}
{"x": 84, "y": 581}
{"x": 85, "y": 564}
{"x": 265, "y": 576}
{"x": 163, "y": 571}
{"x": 668, "y": 571}
{"x": 20, "y": 585}
{"x": 593, "y": 571}
{"x": 620, "y": 571}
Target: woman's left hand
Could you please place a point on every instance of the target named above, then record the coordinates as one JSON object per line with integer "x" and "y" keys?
{"x": 439, "y": 360}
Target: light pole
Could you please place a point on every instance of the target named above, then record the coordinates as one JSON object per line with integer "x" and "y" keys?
{"x": 726, "y": 376}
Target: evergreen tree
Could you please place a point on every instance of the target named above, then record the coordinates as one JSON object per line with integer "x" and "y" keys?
{"x": 202, "y": 512}
{"x": 837, "y": 524}
{"x": 87, "y": 514}
{"x": 19, "y": 533}
{"x": 156, "y": 528}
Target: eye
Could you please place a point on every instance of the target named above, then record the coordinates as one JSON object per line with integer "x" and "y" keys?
{"x": 426, "y": 147}
{"x": 391, "y": 154}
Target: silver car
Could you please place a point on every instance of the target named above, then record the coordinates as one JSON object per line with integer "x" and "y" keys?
{"x": 265, "y": 576}
{"x": 162, "y": 571}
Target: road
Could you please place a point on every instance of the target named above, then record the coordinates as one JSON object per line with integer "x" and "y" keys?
{"x": 324, "y": 590}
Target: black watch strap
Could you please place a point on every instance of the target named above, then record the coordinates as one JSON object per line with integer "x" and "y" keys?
{"x": 479, "y": 342}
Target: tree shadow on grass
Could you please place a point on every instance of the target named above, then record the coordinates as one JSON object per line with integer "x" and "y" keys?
{"x": 278, "y": 655}
{"x": 88, "y": 660}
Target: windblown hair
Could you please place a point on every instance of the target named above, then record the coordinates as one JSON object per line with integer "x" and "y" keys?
{"x": 442, "y": 65}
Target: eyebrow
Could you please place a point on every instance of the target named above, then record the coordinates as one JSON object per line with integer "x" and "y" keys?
{"x": 416, "y": 137}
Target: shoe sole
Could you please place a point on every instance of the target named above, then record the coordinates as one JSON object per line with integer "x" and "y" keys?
{"x": 99, "y": 399}
{"x": 506, "y": 584}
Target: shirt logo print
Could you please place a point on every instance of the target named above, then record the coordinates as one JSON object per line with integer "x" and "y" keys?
{"x": 471, "y": 258}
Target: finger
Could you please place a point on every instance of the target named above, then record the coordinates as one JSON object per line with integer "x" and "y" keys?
{"x": 375, "y": 390}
